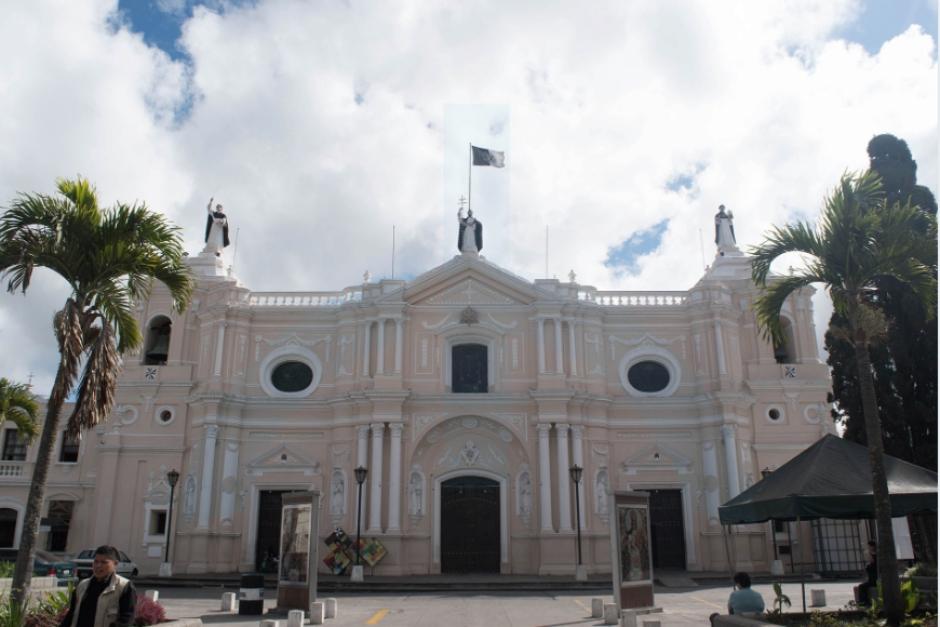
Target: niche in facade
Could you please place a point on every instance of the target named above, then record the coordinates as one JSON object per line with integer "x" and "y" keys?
{"x": 158, "y": 342}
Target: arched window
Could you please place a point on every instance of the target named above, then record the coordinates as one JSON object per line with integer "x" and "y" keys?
{"x": 469, "y": 368}
{"x": 785, "y": 351}
{"x": 157, "y": 346}
{"x": 7, "y": 527}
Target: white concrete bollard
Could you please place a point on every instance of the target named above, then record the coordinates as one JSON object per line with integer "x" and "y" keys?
{"x": 295, "y": 618}
{"x": 270, "y": 623}
{"x": 153, "y": 595}
{"x": 229, "y": 601}
{"x": 597, "y": 608}
{"x": 628, "y": 618}
{"x": 610, "y": 614}
{"x": 317, "y": 613}
{"x": 330, "y": 607}
{"x": 817, "y": 598}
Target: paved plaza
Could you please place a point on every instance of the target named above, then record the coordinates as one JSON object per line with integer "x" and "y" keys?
{"x": 687, "y": 606}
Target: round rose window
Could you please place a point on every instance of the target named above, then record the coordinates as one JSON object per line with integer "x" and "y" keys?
{"x": 292, "y": 376}
{"x": 648, "y": 376}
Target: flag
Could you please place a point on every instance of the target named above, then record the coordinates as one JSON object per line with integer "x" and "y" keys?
{"x": 485, "y": 156}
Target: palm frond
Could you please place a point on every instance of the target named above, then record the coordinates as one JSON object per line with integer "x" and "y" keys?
{"x": 798, "y": 237}
{"x": 768, "y": 304}
{"x": 99, "y": 379}
{"x": 19, "y": 406}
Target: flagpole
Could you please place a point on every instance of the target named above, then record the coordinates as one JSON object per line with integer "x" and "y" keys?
{"x": 393, "y": 251}
{"x": 469, "y": 173}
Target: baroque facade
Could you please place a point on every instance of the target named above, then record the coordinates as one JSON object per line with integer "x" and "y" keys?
{"x": 467, "y": 393}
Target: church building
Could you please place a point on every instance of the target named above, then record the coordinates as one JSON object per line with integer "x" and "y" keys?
{"x": 467, "y": 393}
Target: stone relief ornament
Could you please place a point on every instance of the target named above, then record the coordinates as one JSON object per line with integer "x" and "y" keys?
{"x": 524, "y": 494}
{"x": 601, "y": 486}
{"x": 469, "y": 454}
{"x": 189, "y": 497}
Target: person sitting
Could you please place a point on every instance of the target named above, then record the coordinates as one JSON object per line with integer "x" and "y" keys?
{"x": 744, "y": 600}
{"x": 863, "y": 591}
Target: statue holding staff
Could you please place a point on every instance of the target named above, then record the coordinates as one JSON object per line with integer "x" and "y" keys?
{"x": 216, "y": 230}
{"x": 470, "y": 232}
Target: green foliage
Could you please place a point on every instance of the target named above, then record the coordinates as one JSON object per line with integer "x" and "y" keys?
{"x": 12, "y": 614}
{"x": 6, "y": 569}
{"x": 780, "y": 599}
{"x": 909, "y": 595}
{"x": 18, "y": 405}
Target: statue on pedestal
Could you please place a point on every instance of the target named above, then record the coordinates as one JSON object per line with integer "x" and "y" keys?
{"x": 216, "y": 230}
{"x": 470, "y": 233}
{"x": 724, "y": 231}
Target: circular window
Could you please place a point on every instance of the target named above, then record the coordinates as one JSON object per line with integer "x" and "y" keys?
{"x": 291, "y": 376}
{"x": 774, "y": 414}
{"x": 648, "y": 376}
{"x": 166, "y": 415}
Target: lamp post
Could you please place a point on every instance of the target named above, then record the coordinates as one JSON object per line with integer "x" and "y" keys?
{"x": 576, "y": 471}
{"x": 361, "y": 473}
{"x": 166, "y": 569}
{"x": 776, "y": 566}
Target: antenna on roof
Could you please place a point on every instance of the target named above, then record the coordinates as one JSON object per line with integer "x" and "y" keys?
{"x": 393, "y": 251}
{"x": 546, "y": 251}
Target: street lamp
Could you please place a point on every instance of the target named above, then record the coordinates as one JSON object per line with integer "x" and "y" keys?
{"x": 576, "y": 472}
{"x": 172, "y": 478}
{"x": 361, "y": 472}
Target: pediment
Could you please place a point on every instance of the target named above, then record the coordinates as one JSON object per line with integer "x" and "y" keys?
{"x": 656, "y": 456}
{"x": 283, "y": 458}
{"x": 470, "y": 282}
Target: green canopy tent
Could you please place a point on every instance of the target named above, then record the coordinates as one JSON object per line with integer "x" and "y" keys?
{"x": 830, "y": 479}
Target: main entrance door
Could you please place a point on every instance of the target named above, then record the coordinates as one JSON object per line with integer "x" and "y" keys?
{"x": 470, "y": 525}
{"x": 668, "y": 533}
{"x": 269, "y": 530}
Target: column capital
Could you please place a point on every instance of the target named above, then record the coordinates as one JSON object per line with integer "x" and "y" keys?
{"x": 212, "y": 431}
{"x": 396, "y": 428}
{"x": 577, "y": 431}
{"x": 728, "y": 431}
{"x": 378, "y": 428}
{"x": 543, "y": 429}
{"x": 363, "y": 431}
{"x": 562, "y": 429}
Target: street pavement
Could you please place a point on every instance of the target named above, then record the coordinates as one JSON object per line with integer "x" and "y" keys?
{"x": 686, "y": 606}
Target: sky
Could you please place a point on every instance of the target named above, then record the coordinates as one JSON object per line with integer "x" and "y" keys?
{"x": 322, "y": 126}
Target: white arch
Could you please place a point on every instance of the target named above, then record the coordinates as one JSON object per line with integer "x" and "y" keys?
{"x": 504, "y": 566}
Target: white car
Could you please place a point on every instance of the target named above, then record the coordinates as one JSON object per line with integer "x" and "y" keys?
{"x": 126, "y": 567}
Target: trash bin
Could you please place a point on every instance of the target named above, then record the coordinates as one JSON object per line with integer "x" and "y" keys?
{"x": 251, "y": 594}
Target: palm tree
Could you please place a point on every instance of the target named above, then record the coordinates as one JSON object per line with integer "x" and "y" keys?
{"x": 109, "y": 258}
{"x": 19, "y": 406}
{"x": 859, "y": 241}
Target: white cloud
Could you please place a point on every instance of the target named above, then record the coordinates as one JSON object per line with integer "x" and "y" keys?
{"x": 596, "y": 109}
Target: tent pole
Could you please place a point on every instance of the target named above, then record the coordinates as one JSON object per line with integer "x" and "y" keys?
{"x": 790, "y": 547}
{"x": 726, "y": 533}
{"x": 802, "y": 568}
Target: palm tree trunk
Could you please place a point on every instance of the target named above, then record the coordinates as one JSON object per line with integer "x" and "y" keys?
{"x": 887, "y": 557}
{"x": 23, "y": 571}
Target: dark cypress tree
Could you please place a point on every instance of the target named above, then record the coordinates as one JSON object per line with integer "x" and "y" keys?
{"x": 905, "y": 362}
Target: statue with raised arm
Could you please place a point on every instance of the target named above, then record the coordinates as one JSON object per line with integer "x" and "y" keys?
{"x": 216, "y": 230}
{"x": 470, "y": 233}
{"x": 724, "y": 231}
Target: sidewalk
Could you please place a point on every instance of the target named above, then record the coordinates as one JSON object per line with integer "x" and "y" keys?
{"x": 681, "y": 607}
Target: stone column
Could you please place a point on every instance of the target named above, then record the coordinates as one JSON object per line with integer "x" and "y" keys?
{"x": 577, "y": 457}
{"x": 366, "y": 348}
{"x": 375, "y": 472}
{"x": 229, "y": 484}
{"x": 399, "y": 328}
{"x": 559, "y": 351}
{"x": 540, "y": 325}
{"x": 731, "y": 460}
{"x": 362, "y": 459}
{"x": 208, "y": 466}
{"x": 380, "y": 347}
{"x": 545, "y": 479}
{"x": 720, "y": 349}
{"x": 571, "y": 352}
{"x": 394, "y": 478}
{"x": 219, "y": 348}
{"x": 564, "y": 478}
{"x": 710, "y": 482}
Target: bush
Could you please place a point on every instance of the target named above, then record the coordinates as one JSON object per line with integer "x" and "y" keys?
{"x": 148, "y": 612}
{"x": 6, "y": 569}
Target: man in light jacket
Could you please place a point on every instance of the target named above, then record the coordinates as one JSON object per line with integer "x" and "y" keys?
{"x": 105, "y": 599}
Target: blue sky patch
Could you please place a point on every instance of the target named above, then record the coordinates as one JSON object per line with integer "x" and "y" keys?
{"x": 624, "y": 258}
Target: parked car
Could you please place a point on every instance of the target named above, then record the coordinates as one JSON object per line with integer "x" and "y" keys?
{"x": 126, "y": 567}
{"x": 46, "y": 564}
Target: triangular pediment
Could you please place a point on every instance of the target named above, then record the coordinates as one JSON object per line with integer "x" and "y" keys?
{"x": 656, "y": 456}
{"x": 282, "y": 457}
{"x": 469, "y": 281}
